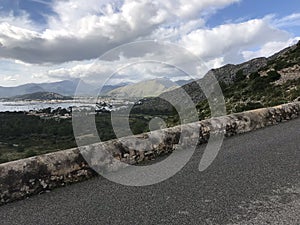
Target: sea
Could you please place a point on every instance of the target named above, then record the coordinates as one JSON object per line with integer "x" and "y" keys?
{"x": 27, "y": 106}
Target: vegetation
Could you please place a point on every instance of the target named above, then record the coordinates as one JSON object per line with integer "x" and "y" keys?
{"x": 24, "y": 135}
{"x": 285, "y": 60}
{"x": 258, "y": 91}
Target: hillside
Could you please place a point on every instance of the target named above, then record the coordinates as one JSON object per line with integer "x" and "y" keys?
{"x": 260, "y": 82}
{"x": 148, "y": 88}
{"x": 108, "y": 88}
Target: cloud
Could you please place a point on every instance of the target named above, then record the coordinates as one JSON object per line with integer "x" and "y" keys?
{"x": 230, "y": 39}
{"x": 22, "y": 63}
{"x": 21, "y": 21}
{"x": 288, "y": 21}
{"x": 76, "y": 33}
{"x": 224, "y": 44}
{"x": 269, "y": 48}
{"x": 42, "y": 2}
{"x": 113, "y": 72}
{"x": 11, "y": 78}
{"x": 190, "y": 9}
{"x": 85, "y": 31}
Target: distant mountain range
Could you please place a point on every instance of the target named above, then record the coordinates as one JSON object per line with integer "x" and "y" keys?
{"x": 70, "y": 87}
{"x": 64, "y": 88}
{"x": 41, "y": 96}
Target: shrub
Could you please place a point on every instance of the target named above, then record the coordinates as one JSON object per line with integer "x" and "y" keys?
{"x": 273, "y": 76}
{"x": 254, "y": 76}
{"x": 259, "y": 84}
{"x": 248, "y": 106}
{"x": 29, "y": 153}
{"x": 240, "y": 76}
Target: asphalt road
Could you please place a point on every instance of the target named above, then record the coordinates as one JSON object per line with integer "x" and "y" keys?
{"x": 254, "y": 180}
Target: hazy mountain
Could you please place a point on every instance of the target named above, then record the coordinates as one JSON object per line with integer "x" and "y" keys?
{"x": 65, "y": 88}
{"x": 148, "y": 88}
{"x": 6, "y": 92}
{"x": 107, "y": 88}
{"x": 40, "y": 96}
{"x": 183, "y": 82}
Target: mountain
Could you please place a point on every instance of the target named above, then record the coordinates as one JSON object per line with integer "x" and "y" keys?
{"x": 225, "y": 74}
{"x": 66, "y": 88}
{"x": 183, "y": 82}
{"x": 42, "y": 96}
{"x": 286, "y": 63}
{"x": 260, "y": 82}
{"x": 6, "y": 92}
{"x": 107, "y": 88}
{"x": 148, "y": 88}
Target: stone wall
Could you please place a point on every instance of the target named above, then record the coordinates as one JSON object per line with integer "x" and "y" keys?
{"x": 38, "y": 174}
{"x": 34, "y": 175}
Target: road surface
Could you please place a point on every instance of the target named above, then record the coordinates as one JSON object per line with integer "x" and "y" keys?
{"x": 254, "y": 180}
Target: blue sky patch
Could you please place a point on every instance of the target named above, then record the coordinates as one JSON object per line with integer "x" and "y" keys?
{"x": 37, "y": 9}
{"x": 252, "y": 9}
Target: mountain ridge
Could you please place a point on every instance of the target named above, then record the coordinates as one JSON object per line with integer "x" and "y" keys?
{"x": 227, "y": 74}
{"x": 39, "y": 96}
{"x": 65, "y": 88}
{"x": 259, "y": 82}
{"x": 148, "y": 88}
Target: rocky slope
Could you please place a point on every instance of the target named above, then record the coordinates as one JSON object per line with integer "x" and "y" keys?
{"x": 260, "y": 82}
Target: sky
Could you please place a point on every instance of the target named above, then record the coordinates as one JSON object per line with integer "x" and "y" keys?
{"x": 46, "y": 41}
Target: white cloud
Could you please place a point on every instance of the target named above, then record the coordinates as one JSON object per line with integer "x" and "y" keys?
{"x": 22, "y": 20}
{"x": 42, "y": 2}
{"x": 84, "y": 31}
{"x": 112, "y": 72}
{"x": 22, "y": 63}
{"x": 288, "y": 21}
{"x": 228, "y": 40}
{"x": 173, "y": 33}
{"x": 189, "y": 9}
{"x": 11, "y": 35}
{"x": 79, "y": 32}
{"x": 11, "y": 78}
{"x": 270, "y": 48}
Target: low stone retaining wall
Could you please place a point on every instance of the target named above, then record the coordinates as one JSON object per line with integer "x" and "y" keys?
{"x": 34, "y": 175}
{"x": 30, "y": 176}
